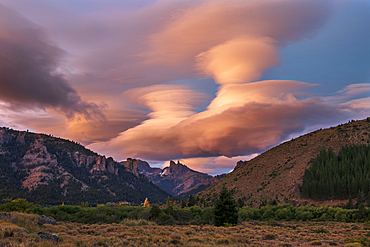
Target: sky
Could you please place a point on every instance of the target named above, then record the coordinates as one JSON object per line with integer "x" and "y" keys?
{"x": 205, "y": 82}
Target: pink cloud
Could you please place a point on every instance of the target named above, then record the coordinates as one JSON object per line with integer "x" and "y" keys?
{"x": 112, "y": 53}
{"x": 260, "y": 115}
{"x": 239, "y": 60}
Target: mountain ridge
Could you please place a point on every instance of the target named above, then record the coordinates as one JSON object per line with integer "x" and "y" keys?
{"x": 177, "y": 179}
{"x": 50, "y": 170}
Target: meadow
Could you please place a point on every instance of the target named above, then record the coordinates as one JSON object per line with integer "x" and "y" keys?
{"x": 122, "y": 225}
{"x": 19, "y": 232}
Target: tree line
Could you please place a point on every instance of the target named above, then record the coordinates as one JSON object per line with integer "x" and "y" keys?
{"x": 341, "y": 176}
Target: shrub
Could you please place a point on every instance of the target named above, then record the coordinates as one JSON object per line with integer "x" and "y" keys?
{"x": 19, "y": 205}
{"x": 183, "y": 215}
{"x": 155, "y": 211}
{"x": 208, "y": 216}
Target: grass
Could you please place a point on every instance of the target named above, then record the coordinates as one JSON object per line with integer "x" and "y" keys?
{"x": 19, "y": 231}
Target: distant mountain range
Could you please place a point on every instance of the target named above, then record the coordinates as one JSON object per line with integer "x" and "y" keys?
{"x": 48, "y": 170}
{"x": 277, "y": 174}
{"x": 176, "y": 179}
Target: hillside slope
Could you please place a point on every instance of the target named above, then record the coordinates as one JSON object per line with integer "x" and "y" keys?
{"x": 278, "y": 173}
{"x": 49, "y": 170}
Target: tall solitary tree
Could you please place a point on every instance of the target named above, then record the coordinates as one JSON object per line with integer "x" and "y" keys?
{"x": 225, "y": 208}
{"x": 146, "y": 203}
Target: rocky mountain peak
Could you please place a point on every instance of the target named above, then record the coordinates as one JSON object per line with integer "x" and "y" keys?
{"x": 177, "y": 179}
{"x": 131, "y": 166}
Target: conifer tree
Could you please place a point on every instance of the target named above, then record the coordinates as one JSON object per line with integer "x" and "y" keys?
{"x": 360, "y": 199}
{"x": 225, "y": 208}
{"x": 191, "y": 201}
{"x": 368, "y": 199}
{"x": 168, "y": 201}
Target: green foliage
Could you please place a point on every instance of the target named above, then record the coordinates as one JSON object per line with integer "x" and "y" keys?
{"x": 225, "y": 208}
{"x": 208, "y": 216}
{"x": 362, "y": 241}
{"x": 19, "y": 205}
{"x": 106, "y": 214}
{"x": 155, "y": 211}
{"x": 339, "y": 176}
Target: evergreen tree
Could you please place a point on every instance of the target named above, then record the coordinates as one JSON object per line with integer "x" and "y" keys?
{"x": 225, "y": 208}
{"x": 168, "y": 201}
{"x": 360, "y": 200}
{"x": 349, "y": 204}
{"x": 368, "y": 199}
{"x": 339, "y": 176}
{"x": 191, "y": 201}
{"x": 240, "y": 203}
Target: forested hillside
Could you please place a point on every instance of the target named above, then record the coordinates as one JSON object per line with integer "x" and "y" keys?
{"x": 49, "y": 170}
{"x": 339, "y": 176}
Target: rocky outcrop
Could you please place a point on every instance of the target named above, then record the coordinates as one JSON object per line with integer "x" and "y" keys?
{"x": 177, "y": 179}
{"x": 42, "y": 219}
{"x": 48, "y": 237}
{"x": 131, "y": 166}
{"x": 104, "y": 164}
{"x": 6, "y": 216}
{"x": 5, "y": 137}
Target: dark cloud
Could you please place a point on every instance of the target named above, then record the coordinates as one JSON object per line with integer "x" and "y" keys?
{"x": 29, "y": 74}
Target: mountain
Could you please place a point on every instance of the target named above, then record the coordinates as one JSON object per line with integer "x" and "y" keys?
{"x": 48, "y": 170}
{"x": 176, "y": 179}
{"x": 277, "y": 174}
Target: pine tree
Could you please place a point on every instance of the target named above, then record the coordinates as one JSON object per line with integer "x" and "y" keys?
{"x": 360, "y": 199}
{"x": 225, "y": 208}
{"x": 168, "y": 201}
{"x": 368, "y": 199}
{"x": 191, "y": 201}
{"x": 240, "y": 203}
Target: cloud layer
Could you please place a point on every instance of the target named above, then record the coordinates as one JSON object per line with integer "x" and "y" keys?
{"x": 243, "y": 119}
{"x": 188, "y": 80}
{"x": 29, "y": 74}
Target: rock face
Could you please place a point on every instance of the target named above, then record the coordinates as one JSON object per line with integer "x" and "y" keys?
{"x": 50, "y": 170}
{"x": 131, "y": 165}
{"x": 177, "y": 179}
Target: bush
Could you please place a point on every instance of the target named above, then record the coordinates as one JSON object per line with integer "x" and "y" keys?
{"x": 19, "y": 205}
{"x": 165, "y": 219}
{"x": 208, "y": 216}
{"x": 155, "y": 211}
{"x": 183, "y": 215}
